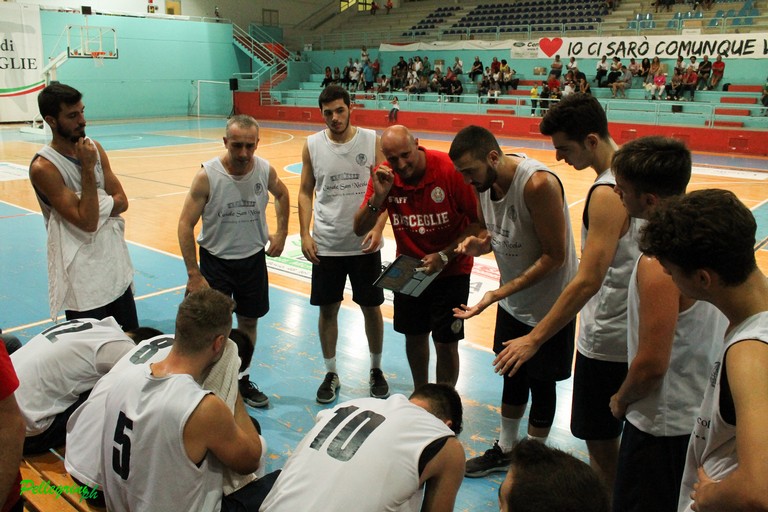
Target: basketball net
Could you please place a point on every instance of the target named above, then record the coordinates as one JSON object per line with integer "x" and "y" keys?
{"x": 98, "y": 58}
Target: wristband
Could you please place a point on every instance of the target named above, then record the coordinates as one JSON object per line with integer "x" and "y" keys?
{"x": 374, "y": 209}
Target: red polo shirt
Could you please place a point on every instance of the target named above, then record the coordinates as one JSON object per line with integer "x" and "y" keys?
{"x": 427, "y": 217}
{"x": 8, "y": 384}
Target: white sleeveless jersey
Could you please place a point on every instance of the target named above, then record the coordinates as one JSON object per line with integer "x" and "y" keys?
{"x": 341, "y": 178}
{"x": 713, "y": 442}
{"x": 516, "y": 246}
{"x": 58, "y": 365}
{"x": 83, "y": 456}
{"x": 370, "y": 447}
{"x": 144, "y": 462}
{"x": 671, "y": 409}
{"x": 234, "y": 218}
{"x": 603, "y": 319}
{"x": 70, "y": 172}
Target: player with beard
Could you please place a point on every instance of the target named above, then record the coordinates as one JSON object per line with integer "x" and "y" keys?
{"x": 526, "y": 224}
{"x": 81, "y": 200}
{"x": 230, "y": 194}
{"x": 336, "y": 164}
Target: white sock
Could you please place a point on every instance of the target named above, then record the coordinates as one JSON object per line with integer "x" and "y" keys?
{"x": 244, "y": 373}
{"x": 375, "y": 360}
{"x": 510, "y": 428}
{"x": 542, "y": 440}
{"x": 330, "y": 365}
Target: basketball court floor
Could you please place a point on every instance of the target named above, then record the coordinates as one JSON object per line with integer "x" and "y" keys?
{"x": 156, "y": 160}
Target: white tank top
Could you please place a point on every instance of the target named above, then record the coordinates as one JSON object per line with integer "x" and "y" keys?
{"x": 372, "y": 446}
{"x": 516, "y": 246}
{"x": 70, "y": 171}
{"x": 83, "y": 456}
{"x": 713, "y": 443}
{"x": 58, "y": 365}
{"x": 603, "y": 319}
{"x": 145, "y": 464}
{"x": 341, "y": 179}
{"x": 234, "y": 218}
{"x": 671, "y": 409}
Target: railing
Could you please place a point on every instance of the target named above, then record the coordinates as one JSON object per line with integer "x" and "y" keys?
{"x": 274, "y": 64}
{"x": 652, "y": 112}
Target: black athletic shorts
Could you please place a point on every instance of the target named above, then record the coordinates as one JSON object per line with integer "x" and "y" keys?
{"x": 244, "y": 280}
{"x": 432, "y": 311}
{"x": 330, "y": 276}
{"x": 594, "y": 383}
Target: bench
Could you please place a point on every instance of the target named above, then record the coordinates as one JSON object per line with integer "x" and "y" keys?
{"x": 49, "y": 467}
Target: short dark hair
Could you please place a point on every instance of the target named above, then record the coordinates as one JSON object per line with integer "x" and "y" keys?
{"x": 203, "y": 315}
{"x": 50, "y": 99}
{"x": 654, "y": 165}
{"x": 551, "y": 480}
{"x": 244, "y": 347}
{"x": 476, "y": 140}
{"x": 140, "y": 334}
{"x": 703, "y": 229}
{"x": 333, "y": 93}
{"x": 577, "y": 115}
{"x": 444, "y": 402}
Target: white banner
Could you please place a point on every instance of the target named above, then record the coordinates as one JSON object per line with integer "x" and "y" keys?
{"x": 731, "y": 46}
{"x": 21, "y": 61}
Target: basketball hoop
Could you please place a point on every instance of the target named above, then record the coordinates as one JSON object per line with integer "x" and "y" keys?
{"x": 98, "y": 58}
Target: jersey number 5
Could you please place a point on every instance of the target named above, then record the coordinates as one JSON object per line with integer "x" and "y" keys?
{"x": 121, "y": 454}
{"x": 344, "y": 444}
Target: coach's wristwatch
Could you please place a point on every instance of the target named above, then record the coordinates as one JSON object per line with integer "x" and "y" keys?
{"x": 444, "y": 257}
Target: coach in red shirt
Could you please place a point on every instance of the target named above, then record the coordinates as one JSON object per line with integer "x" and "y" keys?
{"x": 431, "y": 210}
{"x": 11, "y": 435}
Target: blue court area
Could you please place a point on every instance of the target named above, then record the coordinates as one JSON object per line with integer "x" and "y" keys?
{"x": 287, "y": 364}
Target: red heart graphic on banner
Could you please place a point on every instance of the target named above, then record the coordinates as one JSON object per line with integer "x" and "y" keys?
{"x": 550, "y": 46}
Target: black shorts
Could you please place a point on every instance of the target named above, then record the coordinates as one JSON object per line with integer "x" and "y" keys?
{"x": 554, "y": 358}
{"x": 330, "y": 276}
{"x": 244, "y": 280}
{"x": 649, "y": 471}
{"x": 433, "y": 310}
{"x": 594, "y": 383}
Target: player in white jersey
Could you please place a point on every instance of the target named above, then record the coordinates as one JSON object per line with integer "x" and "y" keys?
{"x": 578, "y": 127}
{"x": 706, "y": 241}
{"x": 230, "y": 194}
{"x": 160, "y": 421}
{"x": 58, "y": 368}
{"x": 527, "y": 226}
{"x": 668, "y": 334}
{"x": 336, "y": 164}
{"x": 372, "y": 455}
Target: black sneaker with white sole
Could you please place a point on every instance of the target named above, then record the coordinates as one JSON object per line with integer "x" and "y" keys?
{"x": 251, "y": 393}
{"x": 493, "y": 460}
{"x": 378, "y": 384}
{"x": 326, "y": 393}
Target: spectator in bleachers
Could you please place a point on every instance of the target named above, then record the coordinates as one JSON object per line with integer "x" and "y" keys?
{"x": 572, "y": 66}
{"x": 401, "y": 64}
{"x": 495, "y": 65}
{"x": 680, "y": 65}
{"x": 411, "y": 82}
{"x": 483, "y": 86}
{"x": 718, "y": 69}
{"x": 436, "y": 81}
{"x": 508, "y": 78}
{"x": 553, "y": 82}
{"x": 690, "y": 79}
{"x": 477, "y": 69}
{"x": 328, "y": 78}
{"x": 368, "y": 76}
{"x": 494, "y": 90}
{"x": 623, "y": 83}
{"x": 675, "y": 88}
{"x": 616, "y": 71}
{"x": 364, "y": 56}
{"x": 388, "y": 6}
{"x": 556, "y": 68}
{"x": 645, "y": 68}
{"x": 423, "y": 86}
{"x": 634, "y": 67}
{"x": 374, "y": 7}
{"x": 458, "y": 66}
{"x": 457, "y": 88}
{"x": 383, "y": 84}
{"x": 336, "y": 75}
{"x": 376, "y": 65}
{"x": 659, "y": 85}
{"x": 655, "y": 66}
{"x": 346, "y": 75}
{"x": 534, "y": 98}
{"x": 693, "y": 64}
{"x": 544, "y": 99}
{"x": 418, "y": 66}
{"x": 354, "y": 78}
{"x": 584, "y": 87}
{"x": 445, "y": 86}
{"x": 396, "y": 79}
{"x": 602, "y": 70}
{"x": 568, "y": 88}
{"x": 764, "y": 98}
{"x": 704, "y": 71}
{"x": 426, "y": 66}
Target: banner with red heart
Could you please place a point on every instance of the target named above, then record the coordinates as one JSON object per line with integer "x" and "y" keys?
{"x": 550, "y": 46}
